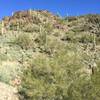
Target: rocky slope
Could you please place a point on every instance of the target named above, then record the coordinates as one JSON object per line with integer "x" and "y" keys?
{"x": 50, "y": 58}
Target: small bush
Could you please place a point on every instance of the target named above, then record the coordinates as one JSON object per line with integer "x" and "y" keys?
{"x": 86, "y": 38}
{"x": 24, "y": 41}
{"x": 31, "y": 28}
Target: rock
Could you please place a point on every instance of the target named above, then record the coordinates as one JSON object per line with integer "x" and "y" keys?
{"x": 8, "y": 92}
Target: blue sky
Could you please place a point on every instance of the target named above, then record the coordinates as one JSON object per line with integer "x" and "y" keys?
{"x": 63, "y": 7}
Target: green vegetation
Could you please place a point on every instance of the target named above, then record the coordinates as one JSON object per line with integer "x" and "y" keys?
{"x": 56, "y": 59}
{"x": 24, "y": 41}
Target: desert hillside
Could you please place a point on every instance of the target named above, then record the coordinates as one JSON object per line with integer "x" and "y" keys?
{"x": 46, "y": 57}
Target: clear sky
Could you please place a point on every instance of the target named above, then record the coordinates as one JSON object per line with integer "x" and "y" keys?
{"x": 63, "y": 7}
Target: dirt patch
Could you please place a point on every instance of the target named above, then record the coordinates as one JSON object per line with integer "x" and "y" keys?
{"x": 8, "y": 92}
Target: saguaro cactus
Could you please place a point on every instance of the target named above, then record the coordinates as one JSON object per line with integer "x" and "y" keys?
{"x": 12, "y": 13}
{"x": 2, "y": 27}
{"x": 30, "y": 12}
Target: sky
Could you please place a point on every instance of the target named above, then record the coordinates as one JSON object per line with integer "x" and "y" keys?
{"x": 61, "y": 7}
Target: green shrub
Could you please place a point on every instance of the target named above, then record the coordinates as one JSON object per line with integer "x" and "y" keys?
{"x": 9, "y": 70}
{"x": 24, "y": 41}
{"x": 49, "y": 78}
{"x": 31, "y": 28}
{"x": 86, "y": 38}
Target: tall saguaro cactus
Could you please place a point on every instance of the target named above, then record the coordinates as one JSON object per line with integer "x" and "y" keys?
{"x": 30, "y": 12}
{"x": 12, "y": 13}
{"x": 2, "y": 27}
{"x": 94, "y": 52}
